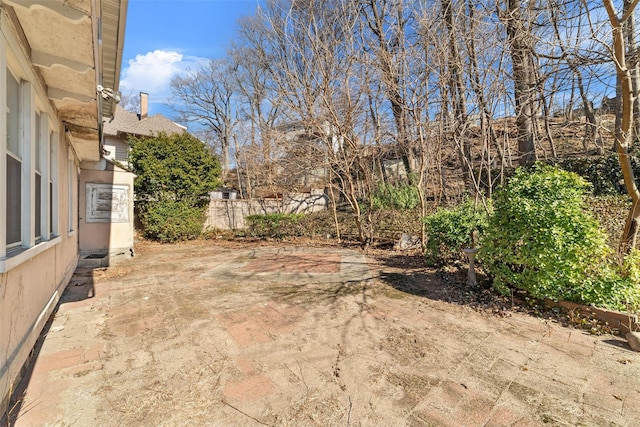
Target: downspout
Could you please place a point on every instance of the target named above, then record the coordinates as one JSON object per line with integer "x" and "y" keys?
{"x": 96, "y": 23}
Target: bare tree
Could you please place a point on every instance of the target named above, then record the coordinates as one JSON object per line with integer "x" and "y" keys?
{"x": 624, "y": 133}
{"x": 204, "y": 96}
{"x": 457, "y": 89}
{"x": 259, "y": 106}
{"x": 130, "y": 101}
{"x": 308, "y": 54}
{"x": 335, "y": 84}
{"x": 387, "y": 21}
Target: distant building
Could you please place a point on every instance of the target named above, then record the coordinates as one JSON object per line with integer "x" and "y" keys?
{"x": 125, "y": 124}
{"x": 223, "y": 193}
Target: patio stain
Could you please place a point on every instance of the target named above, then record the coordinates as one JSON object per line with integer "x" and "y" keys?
{"x": 260, "y": 323}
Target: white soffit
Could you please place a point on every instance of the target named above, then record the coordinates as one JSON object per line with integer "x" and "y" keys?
{"x": 62, "y": 43}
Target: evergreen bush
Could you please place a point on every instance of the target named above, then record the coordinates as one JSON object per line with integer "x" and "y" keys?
{"x": 175, "y": 174}
{"x": 541, "y": 239}
{"x": 170, "y": 221}
{"x": 603, "y": 173}
{"x": 450, "y": 229}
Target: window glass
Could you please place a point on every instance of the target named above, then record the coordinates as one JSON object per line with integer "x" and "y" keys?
{"x": 38, "y": 144}
{"x": 38, "y": 207}
{"x": 14, "y": 164}
{"x": 13, "y": 115}
{"x": 14, "y": 178}
{"x": 53, "y": 170}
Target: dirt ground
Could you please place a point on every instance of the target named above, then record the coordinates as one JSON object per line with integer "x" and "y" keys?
{"x": 227, "y": 334}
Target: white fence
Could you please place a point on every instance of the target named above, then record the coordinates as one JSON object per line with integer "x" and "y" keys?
{"x": 230, "y": 214}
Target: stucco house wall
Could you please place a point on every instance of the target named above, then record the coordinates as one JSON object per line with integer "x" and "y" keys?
{"x": 32, "y": 282}
{"x": 30, "y": 296}
{"x": 57, "y": 81}
{"x": 106, "y": 232}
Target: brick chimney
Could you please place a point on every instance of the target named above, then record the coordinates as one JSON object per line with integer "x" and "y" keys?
{"x": 144, "y": 105}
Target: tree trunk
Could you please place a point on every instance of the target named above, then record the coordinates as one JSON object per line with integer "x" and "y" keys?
{"x": 633, "y": 65}
{"x": 591, "y": 126}
{"x": 334, "y": 209}
{"x": 520, "y": 40}
{"x": 623, "y": 134}
{"x": 391, "y": 72}
{"x": 458, "y": 96}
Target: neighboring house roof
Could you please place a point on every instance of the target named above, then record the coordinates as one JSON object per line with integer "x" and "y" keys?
{"x": 126, "y": 122}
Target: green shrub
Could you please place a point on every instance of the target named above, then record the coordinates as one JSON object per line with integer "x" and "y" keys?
{"x": 603, "y": 173}
{"x": 402, "y": 197}
{"x": 175, "y": 174}
{"x": 170, "y": 221}
{"x": 541, "y": 239}
{"x": 611, "y": 212}
{"x": 450, "y": 230}
{"x": 631, "y": 266}
{"x": 274, "y": 225}
{"x": 174, "y": 167}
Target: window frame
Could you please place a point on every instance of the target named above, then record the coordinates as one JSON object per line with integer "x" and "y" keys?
{"x": 38, "y": 156}
{"x": 37, "y": 178}
{"x": 54, "y": 182}
{"x": 14, "y": 155}
{"x": 72, "y": 182}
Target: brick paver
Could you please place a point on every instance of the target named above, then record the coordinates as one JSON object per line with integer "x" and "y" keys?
{"x": 196, "y": 335}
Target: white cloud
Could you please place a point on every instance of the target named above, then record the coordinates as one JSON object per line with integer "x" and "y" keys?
{"x": 152, "y": 73}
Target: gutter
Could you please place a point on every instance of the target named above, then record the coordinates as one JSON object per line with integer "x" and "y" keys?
{"x": 96, "y": 23}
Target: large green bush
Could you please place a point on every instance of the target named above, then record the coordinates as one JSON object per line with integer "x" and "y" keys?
{"x": 540, "y": 238}
{"x": 450, "y": 230}
{"x": 175, "y": 174}
{"x": 176, "y": 166}
{"x": 170, "y": 221}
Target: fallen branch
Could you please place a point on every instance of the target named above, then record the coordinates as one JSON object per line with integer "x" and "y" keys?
{"x": 244, "y": 413}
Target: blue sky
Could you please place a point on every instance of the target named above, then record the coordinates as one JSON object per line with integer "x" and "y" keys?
{"x": 165, "y": 37}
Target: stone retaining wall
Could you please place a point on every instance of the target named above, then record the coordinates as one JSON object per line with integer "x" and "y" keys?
{"x": 230, "y": 214}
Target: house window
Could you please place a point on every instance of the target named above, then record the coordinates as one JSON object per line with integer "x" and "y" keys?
{"x": 14, "y": 164}
{"x": 29, "y": 156}
{"x": 53, "y": 184}
{"x": 38, "y": 179}
{"x": 71, "y": 189}
{"x": 31, "y": 173}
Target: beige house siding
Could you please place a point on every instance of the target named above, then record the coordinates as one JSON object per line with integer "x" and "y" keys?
{"x": 49, "y": 124}
{"x": 30, "y": 291}
{"x": 117, "y": 150}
